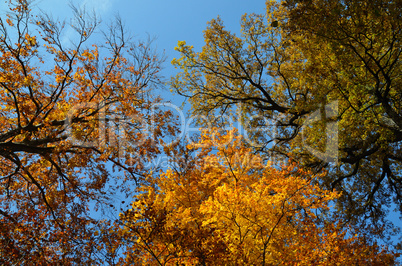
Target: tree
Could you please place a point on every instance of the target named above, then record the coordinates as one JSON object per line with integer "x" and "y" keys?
{"x": 63, "y": 109}
{"x": 339, "y": 58}
{"x": 224, "y": 207}
{"x": 364, "y": 38}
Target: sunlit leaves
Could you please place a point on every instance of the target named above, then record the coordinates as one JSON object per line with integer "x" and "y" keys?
{"x": 70, "y": 116}
{"x": 226, "y": 207}
{"x": 294, "y": 60}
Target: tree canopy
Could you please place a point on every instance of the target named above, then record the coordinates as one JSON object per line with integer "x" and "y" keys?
{"x": 227, "y": 208}
{"x": 62, "y": 111}
{"x": 80, "y": 127}
{"x": 316, "y": 72}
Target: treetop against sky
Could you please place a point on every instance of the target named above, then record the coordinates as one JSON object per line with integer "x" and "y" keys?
{"x": 83, "y": 119}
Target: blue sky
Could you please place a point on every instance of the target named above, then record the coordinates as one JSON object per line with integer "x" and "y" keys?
{"x": 168, "y": 21}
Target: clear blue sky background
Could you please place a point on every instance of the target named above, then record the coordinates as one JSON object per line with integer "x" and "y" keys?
{"x": 167, "y": 20}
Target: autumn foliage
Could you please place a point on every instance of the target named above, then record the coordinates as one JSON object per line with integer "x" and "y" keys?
{"x": 228, "y": 208}
{"x": 301, "y": 57}
{"x": 62, "y": 105}
{"x": 80, "y": 126}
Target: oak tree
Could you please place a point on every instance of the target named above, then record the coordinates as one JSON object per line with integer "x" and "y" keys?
{"x": 63, "y": 108}
{"x": 302, "y": 67}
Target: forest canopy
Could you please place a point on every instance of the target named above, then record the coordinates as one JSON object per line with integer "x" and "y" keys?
{"x": 81, "y": 124}
{"x": 326, "y": 74}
